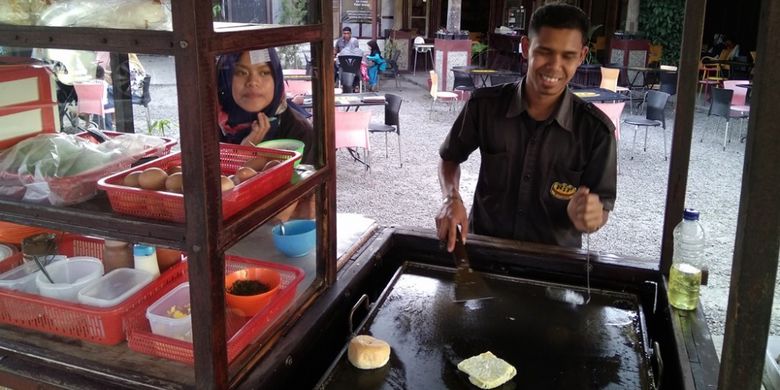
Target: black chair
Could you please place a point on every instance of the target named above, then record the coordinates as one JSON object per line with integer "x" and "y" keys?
{"x": 351, "y": 64}
{"x": 668, "y": 83}
{"x": 392, "y": 67}
{"x": 392, "y": 122}
{"x": 145, "y": 99}
{"x": 720, "y": 105}
{"x": 463, "y": 82}
{"x": 496, "y": 79}
{"x": 654, "y": 116}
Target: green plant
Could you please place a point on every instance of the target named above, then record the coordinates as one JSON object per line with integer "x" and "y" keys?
{"x": 662, "y": 21}
{"x": 477, "y": 49}
{"x": 161, "y": 126}
{"x": 216, "y": 10}
{"x": 390, "y": 48}
{"x": 294, "y": 13}
{"x": 590, "y": 58}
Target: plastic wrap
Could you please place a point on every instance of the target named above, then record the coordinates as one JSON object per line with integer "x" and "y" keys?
{"x": 22, "y": 12}
{"x": 135, "y": 14}
{"x": 63, "y": 169}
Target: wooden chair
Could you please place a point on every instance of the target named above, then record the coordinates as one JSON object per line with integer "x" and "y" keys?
{"x": 710, "y": 76}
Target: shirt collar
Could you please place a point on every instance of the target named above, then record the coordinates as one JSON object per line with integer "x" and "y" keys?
{"x": 564, "y": 113}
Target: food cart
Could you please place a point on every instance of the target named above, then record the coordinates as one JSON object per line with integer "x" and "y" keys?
{"x": 628, "y": 335}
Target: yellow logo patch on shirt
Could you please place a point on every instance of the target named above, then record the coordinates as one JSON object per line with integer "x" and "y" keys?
{"x": 563, "y": 191}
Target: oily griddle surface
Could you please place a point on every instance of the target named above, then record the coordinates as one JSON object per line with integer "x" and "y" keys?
{"x": 552, "y": 344}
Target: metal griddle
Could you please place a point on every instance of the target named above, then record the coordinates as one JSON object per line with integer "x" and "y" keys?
{"x": 553, "y": 345}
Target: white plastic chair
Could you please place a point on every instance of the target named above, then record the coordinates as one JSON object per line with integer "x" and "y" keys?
{"x": 424, "y": 49}
{"x": 444, "y": 96}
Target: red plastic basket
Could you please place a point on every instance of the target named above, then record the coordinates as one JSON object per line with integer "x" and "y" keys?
{"x": 97, "y": 325}
{"x": 159, "y": 151}
{"x": 240, "y": 331}
{"x": 69, "y": 190}
{"x": 169, "y": 206}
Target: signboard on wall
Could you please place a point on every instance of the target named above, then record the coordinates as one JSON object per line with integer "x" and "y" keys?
{"x": 356, "y": 11}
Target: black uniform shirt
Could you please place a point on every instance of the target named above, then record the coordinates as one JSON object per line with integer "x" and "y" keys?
{"x": 531, "y": 169}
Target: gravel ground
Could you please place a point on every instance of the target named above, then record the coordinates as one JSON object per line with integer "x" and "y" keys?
{"x": 409, "y": 195}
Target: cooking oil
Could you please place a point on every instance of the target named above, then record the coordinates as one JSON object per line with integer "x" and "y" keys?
{"x": 684, "y": 282}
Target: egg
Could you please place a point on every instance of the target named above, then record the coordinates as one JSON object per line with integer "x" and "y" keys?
{"x": 175, "y": 183}
{"x": 234, "y": 179}
{"x": 174, "y": 169}
{"x": 271, "y": 164}
{"x": 131, "y": 180}
{"x": 257, "y": 163}
{"x": 245, "y": 173}
{"x": 153, "y": 179}
{"x": 227, "y": 184}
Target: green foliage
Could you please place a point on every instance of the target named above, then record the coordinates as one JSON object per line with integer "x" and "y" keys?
{"x": 161, "y": 126}
{"x": 390, "y": 48}
{"x": 662, "y": 21}
{"x": 216, "y": 11}
{"x": 293, "y": 13}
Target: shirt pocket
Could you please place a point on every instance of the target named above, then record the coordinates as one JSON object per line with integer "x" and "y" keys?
{"x": 495, "y": 169}
{"x": 560, "y": 187}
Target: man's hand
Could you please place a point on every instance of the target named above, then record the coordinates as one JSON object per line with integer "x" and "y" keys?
{"x": 452, "y": 214}
{"x": 586, "y": 211}
{"x": 259, "y": 130}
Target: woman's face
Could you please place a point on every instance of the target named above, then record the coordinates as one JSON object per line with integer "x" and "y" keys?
{"x": 253, "y": 84}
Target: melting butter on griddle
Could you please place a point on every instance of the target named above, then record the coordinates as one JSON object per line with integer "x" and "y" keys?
{"x": 487, "y": 371}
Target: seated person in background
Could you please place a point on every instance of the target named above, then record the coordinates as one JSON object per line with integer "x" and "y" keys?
{"x": 341, "y": 43}
{"x": 108, "y": 98}
{"x": 252, "y": 103}
{"x": 378, "y": 65}
{"x": 252, "y": 108}
{"x": 137, "y": 74}
{"x": 352, "y": 49}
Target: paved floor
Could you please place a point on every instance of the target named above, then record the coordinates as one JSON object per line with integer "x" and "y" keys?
{"x": 409, "y": 195}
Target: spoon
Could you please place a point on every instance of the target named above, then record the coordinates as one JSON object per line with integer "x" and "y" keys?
{"x": 281, "y": 228}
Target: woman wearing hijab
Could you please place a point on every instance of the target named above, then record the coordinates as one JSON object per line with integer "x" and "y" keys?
{"x": 379, "y": 65}
{"x": 252, "y": 104}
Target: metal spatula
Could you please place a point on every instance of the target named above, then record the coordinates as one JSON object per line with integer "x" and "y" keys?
{"x": 469, "y": 285}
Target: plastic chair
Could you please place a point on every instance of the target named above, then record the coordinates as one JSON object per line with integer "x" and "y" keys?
{"x": 145, "y": 99}
{"x": 440, "y": 95}
{"x": 352, "y": 132}
{"x": 609, "y": 80}
{"x": 350, "y": 64}
{"x": 463, "y": 84}
{"x": 425, "y": 50}
{"x": 668, "y": 82}
{"x": 654, "y": 117}
{"x": 92, "y": 98}
{"x": 392, "y": 122}
{"x": 721, "y": 106}
{"x": 710, "y": 76}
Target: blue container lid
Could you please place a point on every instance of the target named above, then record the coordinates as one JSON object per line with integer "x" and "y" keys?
{"x": 691, "y": 215}
{"x": 143, "y": 250}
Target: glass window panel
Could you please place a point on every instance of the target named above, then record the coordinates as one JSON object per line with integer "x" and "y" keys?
{"x": 232, "y": 14}
{"x": 146, "y": 15}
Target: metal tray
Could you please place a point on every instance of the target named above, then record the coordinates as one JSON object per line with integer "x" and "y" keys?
{"x": 552, "y": 344}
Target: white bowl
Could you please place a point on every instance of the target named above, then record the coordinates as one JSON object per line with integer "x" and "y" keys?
{"x": 69, "y": 277}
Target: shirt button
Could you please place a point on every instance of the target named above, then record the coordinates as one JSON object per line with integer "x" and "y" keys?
{"x": 527, "y": 177}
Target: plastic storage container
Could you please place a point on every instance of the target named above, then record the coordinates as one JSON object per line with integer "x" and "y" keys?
{"x": 69, "y": 277}
{"x": 161, "y": 318}
{"x": 685, "y": 275}
{"x": 22, "y": 278}
{"x": 114, "y": 287}
{"x": 6, "y": 251}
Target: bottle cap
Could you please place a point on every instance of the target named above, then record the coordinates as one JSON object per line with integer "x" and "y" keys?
{"x": 691, "y": 215}
{"x": 143, "y": 250}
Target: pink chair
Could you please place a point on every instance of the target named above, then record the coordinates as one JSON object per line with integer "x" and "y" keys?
{"x": 738, "y": 100}
{"x": 92, "y": 100}
{"x": 613, "y": 111}
{"x": 352, "y": 132}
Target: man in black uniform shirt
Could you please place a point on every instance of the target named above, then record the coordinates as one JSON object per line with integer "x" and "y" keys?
{"x": 548, "y": 167}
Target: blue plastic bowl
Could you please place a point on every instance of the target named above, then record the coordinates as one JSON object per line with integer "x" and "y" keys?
{"x": 299, "y": 239}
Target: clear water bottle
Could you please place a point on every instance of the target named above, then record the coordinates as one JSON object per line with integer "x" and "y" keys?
{"x": 685, "y": 275}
